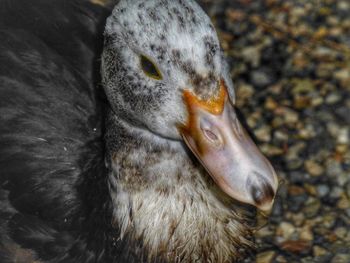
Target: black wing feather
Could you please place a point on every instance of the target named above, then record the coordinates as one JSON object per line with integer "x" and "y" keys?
{"x": 52, "y": 171}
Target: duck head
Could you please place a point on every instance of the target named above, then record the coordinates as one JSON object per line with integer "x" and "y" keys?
{"x": 164, "y": 71}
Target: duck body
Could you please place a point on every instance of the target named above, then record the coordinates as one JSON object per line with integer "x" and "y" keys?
{"x": 90, "y": 179}
{"x": 51, "y": 154}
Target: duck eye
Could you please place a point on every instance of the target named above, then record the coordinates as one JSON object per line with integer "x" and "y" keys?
{"x": 149, "y": 68}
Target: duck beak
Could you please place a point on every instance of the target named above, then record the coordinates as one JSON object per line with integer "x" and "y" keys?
{"x": 216, "y": 137}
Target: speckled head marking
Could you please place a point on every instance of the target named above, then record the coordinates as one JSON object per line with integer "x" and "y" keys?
{"x": 180, "y": 39}
{"x": 164, "y": 202}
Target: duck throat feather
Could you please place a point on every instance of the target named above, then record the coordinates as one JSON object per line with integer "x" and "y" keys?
{"x": 167, "y": 204}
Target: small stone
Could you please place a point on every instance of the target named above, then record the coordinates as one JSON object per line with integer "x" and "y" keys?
{"x": 343, "y": 136}
{"x": 319, "y": 251}
{"x": 294, "y": 151}
{"x": 301, "y": 102}
{"x": 307, "y": 132}
{"x": 322, "y": 190}
{"x": 341, "y": 148}
{"x": 298, "y": 11}
{"x": 281, "y": 259}
{"x": 328, "y": 220}
{"x": 344, "y": 202}
{"x": 316, "y": 101}
{"x": 276, "y": 88}
{"x": 263, "y": 133}
{"x": 306, "y": 233}
{"x": 325, "y": 11}
{"x": 333, "y": 98}
{"x": 341, "y": 232}
{"x": 260, "y": 78}
{"x": 277, "y": 122}
{"x": 333, "y": 168}
{"x": 321, "y": 33}
{"x": 341, "y": 258}
{"x": 325, "y": 70}
{"x": 333, "y": 128}
{"x": 285, "y": 230}
{"x": 313, "y": 168}
{"x": 303, "y": 86}
{"x": 297, "y": 218}
{"x": 342, "y": 75}
{"x": 310, "y": 189}
{"x": 265, "y": 257}
{"x": 291, "y": 116}
{"x": 312, "y": 208}
{"x": 336, "y": 192}
{"x": 251, "y": 54}
{"x": 333, "y": 20}
{"x": 295, "y": 190}
{"x": 235, "y": 15}
{"x": 244, "y": 91}
{"x": 296, "y": 246}
{"x": 270, "y": 103}
{"x": 280, "y": 135}
{"x": 343, "y": 5}
{"x": 271, "y": 150}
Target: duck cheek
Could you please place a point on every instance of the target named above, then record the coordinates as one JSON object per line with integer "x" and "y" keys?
{"x": 230, "y": 156}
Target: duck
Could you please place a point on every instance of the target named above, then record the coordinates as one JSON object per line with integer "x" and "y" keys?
{"x": 152, "y": 165}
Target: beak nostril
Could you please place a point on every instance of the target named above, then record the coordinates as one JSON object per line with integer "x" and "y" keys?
{"x": 262, "y": 194}
{"x": 210, "y": 132}
{"x": 210, "y": 135}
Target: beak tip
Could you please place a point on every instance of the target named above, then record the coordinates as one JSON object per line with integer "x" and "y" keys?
{"x": 264, "y": 196}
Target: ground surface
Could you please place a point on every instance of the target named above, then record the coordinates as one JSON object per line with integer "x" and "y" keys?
{"x": 290, "y": 62}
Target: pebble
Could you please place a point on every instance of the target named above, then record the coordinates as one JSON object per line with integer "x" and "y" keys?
{"x": 303, "y": 86}
{"x": 280, "y": 135}
{"x": 235, "y": 15}
{"x": 316, "y": 101}
{"x": 306, "y": 233}
{"x": 341, "y": 232}
{"x": 312, "y": 208}
{"x": 313, "y": 168}
{"x": 251, "y": 55}
{"x": 342, "y": 75}
{"x": 281, "y": 259}
{"x": 298, "y": 219}
{"x": 341, "y": 258}
{"x": 285, "y": 230}
{"x": 265, "y": 257}
{"x": 296, "y": 246}
{"x": 271, "y": 150}
{"x": 328, "y": 220}
{"x": 332, "y": 98}
{"x": 319, "y": 251}
{"x": 323, "y": 190}
{"x": 344, "y": 202}
{"x": 270, "y": 103}
{"x": 343, "y": 135}
{"x": 244, "y": 91}
{"x": 260, "y": 78}
{"x": 336, "y": 192}
{"x": 263, "y": 133}
{"x": 343, "y": 5}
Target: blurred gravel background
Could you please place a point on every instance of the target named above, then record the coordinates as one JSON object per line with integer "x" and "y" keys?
{"x": 290, "y": 63}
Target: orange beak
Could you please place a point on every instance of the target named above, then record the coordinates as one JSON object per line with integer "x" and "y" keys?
{"x": 216, "y": 137}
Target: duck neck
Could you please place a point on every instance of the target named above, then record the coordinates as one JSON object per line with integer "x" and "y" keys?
{"x": 167, "y": 204}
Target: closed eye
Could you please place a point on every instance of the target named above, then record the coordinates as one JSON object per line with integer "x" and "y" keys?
{"x": 149, "y": 68}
